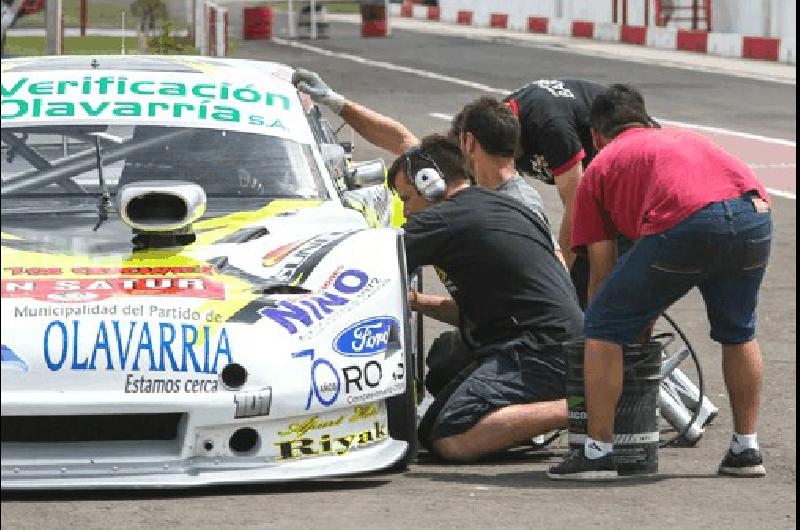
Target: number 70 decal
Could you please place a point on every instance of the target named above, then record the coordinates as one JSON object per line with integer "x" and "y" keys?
{"x": 326, "y": 392}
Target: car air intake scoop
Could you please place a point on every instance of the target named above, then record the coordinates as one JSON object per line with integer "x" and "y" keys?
{"x": 161, "y": 213}
{"x": 160, "y": 206}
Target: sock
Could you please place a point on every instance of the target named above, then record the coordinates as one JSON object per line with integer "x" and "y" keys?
{"x": 742, "y": 442}
{"x": 596, "y": 449}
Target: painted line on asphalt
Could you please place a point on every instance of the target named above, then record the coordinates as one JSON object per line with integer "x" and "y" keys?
{"x": 776, "y": 165}
{"x": 440, "y": 116}
{"x": 501, "y": 91}
{"x": 704, "y": 128}
{"x": 609, "y": 50}
{"x": 771, "y": 191}
{"x": 729, "y": 132}
{"x": 780, "y": 193}
{"x": 394, "y": 67}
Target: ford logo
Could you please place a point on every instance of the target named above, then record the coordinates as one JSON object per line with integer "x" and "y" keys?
{"x": 365, "y": 338}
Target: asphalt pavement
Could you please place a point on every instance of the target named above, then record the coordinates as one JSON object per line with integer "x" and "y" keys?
{"x": 513, "y": 492}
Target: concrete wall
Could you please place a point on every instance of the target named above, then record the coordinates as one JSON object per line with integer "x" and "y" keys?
{"x": 520, "y": 10}
{"x": 758, "y": 18}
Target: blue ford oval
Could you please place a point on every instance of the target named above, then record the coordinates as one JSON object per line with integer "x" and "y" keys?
{"x": 365, "y": 338}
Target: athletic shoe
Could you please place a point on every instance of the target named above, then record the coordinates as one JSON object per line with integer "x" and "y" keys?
{"x": 748, "y": 463}
{"x": 577, "y": 467}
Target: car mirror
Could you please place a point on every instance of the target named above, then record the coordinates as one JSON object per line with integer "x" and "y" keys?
{"x": 366, "y": 174}
{"x": 332, "y": 154}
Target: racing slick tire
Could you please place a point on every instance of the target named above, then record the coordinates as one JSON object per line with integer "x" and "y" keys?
{"x": 402, "y": 409}
{"x": 402, "y": 412}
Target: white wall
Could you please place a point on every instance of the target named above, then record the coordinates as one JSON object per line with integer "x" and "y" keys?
{"x": 595, "y": 11}
{"x": 635, "y": 12}
{"x": 519, "y": 10}
{"x": 784, "y": 19}
{"x": 738, "y": 16}
{"x": 761, "y": 18}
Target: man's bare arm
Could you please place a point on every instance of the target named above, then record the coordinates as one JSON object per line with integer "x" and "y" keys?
{"x": 377, "y": 129}
{"x": 567, "y": 183}
{"x": 441, "y": 308}
{"x": 602, "y": 258}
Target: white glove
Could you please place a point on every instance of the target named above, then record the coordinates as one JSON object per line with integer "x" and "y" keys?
{"x": 313, "y": 85}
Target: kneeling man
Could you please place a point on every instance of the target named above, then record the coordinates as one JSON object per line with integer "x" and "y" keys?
{"x": 511, "y": 298}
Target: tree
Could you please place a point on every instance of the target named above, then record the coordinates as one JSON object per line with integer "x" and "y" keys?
{"x": 148, "y": 12}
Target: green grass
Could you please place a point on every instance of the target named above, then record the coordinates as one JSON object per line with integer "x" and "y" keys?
{"x": 101, "y": 15}
{"x": 105, "y": 15}
{"x": 344, "y": 7}
{"x": 16, "y": 46}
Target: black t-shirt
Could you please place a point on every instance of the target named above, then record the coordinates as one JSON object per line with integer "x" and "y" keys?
{"x": 499, "y": 264}
{"x": 554, "y": 115}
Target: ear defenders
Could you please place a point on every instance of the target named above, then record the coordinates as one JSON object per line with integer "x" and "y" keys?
{"x": 428, "y": 179}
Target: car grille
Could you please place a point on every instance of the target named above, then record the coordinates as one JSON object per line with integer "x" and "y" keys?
{"x": 90, "y": 428}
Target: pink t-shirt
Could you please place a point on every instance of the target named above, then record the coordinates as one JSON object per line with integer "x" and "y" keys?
{"x": 648, "y": 180}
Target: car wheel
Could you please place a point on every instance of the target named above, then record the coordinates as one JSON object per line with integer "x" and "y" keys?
{"x": 402, "y": 412}
{"x": 402, "y": 409}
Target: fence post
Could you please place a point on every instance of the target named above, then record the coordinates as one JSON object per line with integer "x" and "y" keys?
{"x": 55, "y": 27}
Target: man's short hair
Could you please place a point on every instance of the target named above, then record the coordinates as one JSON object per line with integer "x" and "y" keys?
{"x": 616, "y": 109}
{"x": 437, "y": 151}
{"x": 494, "y": 125}
{"x": 456, "y": 127}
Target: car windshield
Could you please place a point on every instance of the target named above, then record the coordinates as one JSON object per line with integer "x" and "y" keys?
{"x": 61, "y": 160}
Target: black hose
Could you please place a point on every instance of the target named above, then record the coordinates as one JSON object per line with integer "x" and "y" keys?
{"x": 700, "y": 385}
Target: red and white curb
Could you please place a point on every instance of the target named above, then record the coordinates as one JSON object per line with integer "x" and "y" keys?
{"x": 723, "y": 44}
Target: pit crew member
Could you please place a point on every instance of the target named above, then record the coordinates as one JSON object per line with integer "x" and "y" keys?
{"x": 508, "y": 290}
{"x": 699, "y": 218}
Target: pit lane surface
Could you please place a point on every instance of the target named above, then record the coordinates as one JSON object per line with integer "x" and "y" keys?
{"x": 515, "y": 492}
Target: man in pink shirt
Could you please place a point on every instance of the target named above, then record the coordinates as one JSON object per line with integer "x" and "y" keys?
{"x": 699, "y": 218}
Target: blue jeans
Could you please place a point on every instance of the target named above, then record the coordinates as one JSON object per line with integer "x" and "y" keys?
{"x": 722, "y": 250}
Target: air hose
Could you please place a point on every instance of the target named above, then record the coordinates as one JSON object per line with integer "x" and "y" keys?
{"x": 700, "y": 382}
{"x": 701, "y": 389}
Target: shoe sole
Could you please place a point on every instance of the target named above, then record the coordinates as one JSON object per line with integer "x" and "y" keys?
{"x": 597, "y": 476}
{"x": 744, "y": 472}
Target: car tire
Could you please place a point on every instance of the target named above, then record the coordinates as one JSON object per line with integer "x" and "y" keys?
{"x": 402, "y": 412}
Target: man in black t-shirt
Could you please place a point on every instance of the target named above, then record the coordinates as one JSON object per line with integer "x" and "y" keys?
{"x": 556, "y": 147}
{"x": 510, "y": 294}
{"x": 556, "y": 142}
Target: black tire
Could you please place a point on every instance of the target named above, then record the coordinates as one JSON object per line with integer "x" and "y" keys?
{"x": 402, "y": 412}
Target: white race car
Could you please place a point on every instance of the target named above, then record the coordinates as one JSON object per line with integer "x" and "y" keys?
{"x": 198, "y": 286}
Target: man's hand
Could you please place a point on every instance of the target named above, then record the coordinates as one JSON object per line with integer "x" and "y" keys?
{"x": 441, "y": 308}
{"x": 313, "y": 85}
{"x": 413, "y": 300}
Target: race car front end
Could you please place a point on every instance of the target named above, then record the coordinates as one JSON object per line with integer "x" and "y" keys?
{"x": 148, "y": 390}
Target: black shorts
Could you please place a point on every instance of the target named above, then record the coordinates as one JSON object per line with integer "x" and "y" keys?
{"x": 448, "y": 356}
{"x": 519, "y": 372}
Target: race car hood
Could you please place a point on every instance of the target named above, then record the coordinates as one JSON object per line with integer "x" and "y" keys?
{"x": 90, "y": 314}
